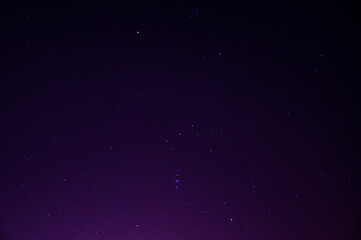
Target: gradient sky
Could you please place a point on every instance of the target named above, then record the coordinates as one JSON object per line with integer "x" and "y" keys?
{"x": 190, "y": 120}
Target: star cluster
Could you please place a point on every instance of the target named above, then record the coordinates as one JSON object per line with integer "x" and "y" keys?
{"x": 191, "y": 120}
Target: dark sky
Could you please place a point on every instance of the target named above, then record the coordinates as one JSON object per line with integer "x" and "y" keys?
{"x": 183, "y": 120}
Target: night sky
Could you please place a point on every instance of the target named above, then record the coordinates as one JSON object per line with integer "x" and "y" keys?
{"x": 188, "y": 120}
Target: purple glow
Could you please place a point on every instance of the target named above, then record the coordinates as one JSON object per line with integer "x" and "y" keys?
{"x": 190, "y": 121}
